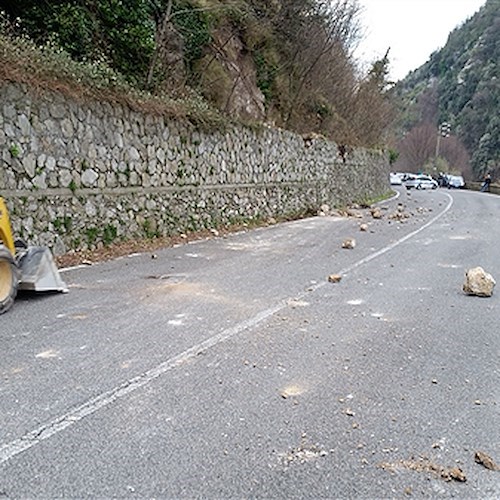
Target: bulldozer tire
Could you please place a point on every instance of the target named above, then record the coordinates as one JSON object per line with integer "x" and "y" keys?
{"x": 9, "y": 279}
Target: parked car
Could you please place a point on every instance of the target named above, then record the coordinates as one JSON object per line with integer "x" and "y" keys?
{"x": 395, "y": 179}
{"x": 455, "y": 181}
{"x": 420, "y": 182}
{"x": 405, "y": 175}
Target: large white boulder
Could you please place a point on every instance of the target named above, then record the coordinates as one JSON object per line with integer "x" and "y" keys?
{"x": 478, "y": 282}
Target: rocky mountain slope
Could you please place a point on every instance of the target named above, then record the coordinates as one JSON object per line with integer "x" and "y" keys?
{"x": 457, "y": 91}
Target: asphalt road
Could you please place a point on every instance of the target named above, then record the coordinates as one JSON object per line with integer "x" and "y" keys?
{"x": 232, "y": 368}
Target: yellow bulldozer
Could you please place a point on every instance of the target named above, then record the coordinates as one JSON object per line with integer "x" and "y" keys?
{"x": 24, "y": 267}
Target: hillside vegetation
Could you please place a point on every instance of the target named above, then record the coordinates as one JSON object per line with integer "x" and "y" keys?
{"x": 459, "y": 86}
{"x": 286, "y": 62}
{"x": 289, "y": 63}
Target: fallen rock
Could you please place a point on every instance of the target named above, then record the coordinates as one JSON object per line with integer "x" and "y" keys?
{"x": 302, "y": 454}
{"x": 363, "y": 227}
{"x": 354, "y": 213}
{"x": 324, "y": 210}
{"x": 334, "y": 278}
{"x": 349, "y": 243}
{"x": 485, "y": 460}
{"x": 478, "y": 282}
{"x": 292, "y": 391}
{"x": 398, "y": 215}
{"x": 456, "y": 474}
{"x": 424, "y": 464}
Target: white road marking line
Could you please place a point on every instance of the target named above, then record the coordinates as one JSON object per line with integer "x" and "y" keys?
{"x": 175, "y": 322}
{"x": 386, "y": 249}
{"x": 10, "y": 450}
{"x": 378, "y": 253}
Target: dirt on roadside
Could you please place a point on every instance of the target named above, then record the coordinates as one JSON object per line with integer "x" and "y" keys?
{"x": 120, "y": 249}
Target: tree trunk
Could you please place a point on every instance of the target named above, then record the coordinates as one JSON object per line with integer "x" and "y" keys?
{"x": 161, "y": 30}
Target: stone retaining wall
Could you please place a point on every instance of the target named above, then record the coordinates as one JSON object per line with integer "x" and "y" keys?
{"x": 79, "y": 174}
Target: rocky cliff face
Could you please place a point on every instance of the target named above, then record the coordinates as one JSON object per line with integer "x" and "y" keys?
{"x": 227, "y": 72}
{"x": 229, "y": 76}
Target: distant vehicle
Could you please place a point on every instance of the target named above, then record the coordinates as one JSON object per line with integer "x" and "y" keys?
{"x": 420, "y": 182}
{"x": 455, "y": 181}
{"x": 405, "y": 175}
{"x": 395, "y": 179}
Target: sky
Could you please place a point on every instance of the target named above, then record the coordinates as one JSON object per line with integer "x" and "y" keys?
{"x": 413, "y": 29}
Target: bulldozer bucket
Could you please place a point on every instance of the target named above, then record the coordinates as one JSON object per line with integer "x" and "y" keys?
{"x": 39, "y": 271}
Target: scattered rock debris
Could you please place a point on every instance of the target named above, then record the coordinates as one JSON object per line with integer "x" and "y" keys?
{"x": 121, "y": 249}
{"x": 295, "y": 303}
{"x": 292, "y": 391}
{"x": 408, "y": 491}
{"x": 303, "y": 453}
{"x": 399, "y": 216}
{"x": 485, "y": 460}
{"x": 478, "y": 282}
{"x": 376, "y": 213}
{"x": 349, "y": 243}
{"x": 424, "y": 464}
{"x": 334, "y": 278}
{"x": 353, "y": 213}
{"x": 157, "y": 277}
{"x": 363, "y": 227}
{"x": 324, "y": 210}
{"x": 455, "y": 473}
{"x": 439, "y": 444}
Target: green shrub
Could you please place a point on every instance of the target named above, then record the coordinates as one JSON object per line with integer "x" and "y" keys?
{"x": 92, "y": 233}
{"x": 109, "y": 234}
{"x": 266, "y": 74}
{"x": 195, "y": 27}
{"x": 14, "y": 150}
{"x": 63, "y": 223}
{"x": 150, "y": 229}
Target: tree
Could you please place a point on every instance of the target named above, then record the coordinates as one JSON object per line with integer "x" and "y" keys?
{"x": 287, "y": 61}
{"x": 163, "y": 25}
{"x": 487, "y": 155}
{"x": 416, "y": 148}
{"x": 417, "y": 151}
{"x": 118, "y": 32}
{"x": 373, "y": 108}
{"x": 316, "y": 38}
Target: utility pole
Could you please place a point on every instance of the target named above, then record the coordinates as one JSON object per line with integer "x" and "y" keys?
{"x": 443, "y": 131}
